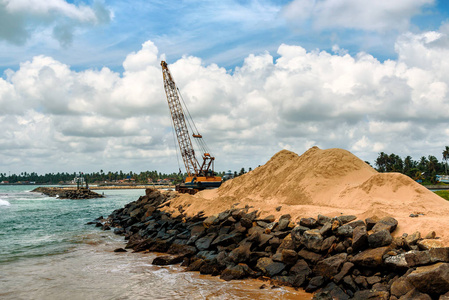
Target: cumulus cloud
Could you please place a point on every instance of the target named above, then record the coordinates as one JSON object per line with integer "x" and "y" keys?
{"x": 95, "y": 119}
{"x": 354, "y": 14}
{"x": 19, "y": 18}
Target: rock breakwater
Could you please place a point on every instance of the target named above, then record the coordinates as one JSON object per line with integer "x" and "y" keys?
{"x": 336, "y": 258}
{"x": 67, "y": 193}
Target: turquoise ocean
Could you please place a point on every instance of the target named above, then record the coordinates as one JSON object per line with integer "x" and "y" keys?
{"x": 48, "y": 252}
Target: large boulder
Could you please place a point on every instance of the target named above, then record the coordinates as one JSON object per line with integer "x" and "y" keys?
{"x": 268, "y": 267}
{"x": 205, "y": 242}
{"x": 312, "y": 239}
{"x": 329, "y": 267}
{"x": 380, "y": 238}
{"x": 437, "y": 275}
{"x": 359, "y": 238}
{"x": 234, "y": 272}
{"x": 387, "y": 223}
{"x": 371, "y": 258}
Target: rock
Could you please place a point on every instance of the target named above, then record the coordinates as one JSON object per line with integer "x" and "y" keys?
{"x": 283, "y": 280}
{"x": 349, "y": 282}
{"x": 370, "y": 258}
{"x": 120, "y": 250}
{"x": 209, "y": 268}
{"x": 340, "y": 247}
{"x": 268, "y": 267}
{"x": 331, "y": 292}
{"x": 346, "y": 219}
{"x": 308, "y": 222}
{"x": 359, "y": 238}
{"x": 335, "y": 224}
{"x": 330, "y": 267}
{"x": 264, "y": 239}
{"x": 368, "y": 294}
{"x": 357, "y": 223}
{"x": 278, "y": 208}
{"x": 370, "y": 222}
{"x": 327, "y": 227}
{"x": 439, "y": 254}
{"x": 312, "y": 239}
{"x": 246, "y": 222}
{"x": 205, "y": 242}
{"x": 195, "y": 265}
{"x": 195, "y": 233}
{"x": 387, "y": 223}
{"x": 397, "y": 262}
{"x": 287, "y": 243}
{"x": 323, "y": 220}
{"x": 437, "y": 274}
{"x": 234, "y": 272}
{"x": 207, "y": 256}
{"x": 347, "y": 266}
{"x": 284, "y": 220}
{"x": 417, "y": 258}
{"x": 327, "y": 243}
{"x": 400, "y": 287}
{"x": 211, "y": 220}
{"x": 429, "y": 244}
{"x": 411, "y": 239}
{"x": 361, "y": 282}
{"x": 241, "y": 253}
{"x": 345, "y": 230}
{"x": 373, "y": 280}
{"x": 289, "y": 257}
{"x": 431, "y": 235}
{"x": 414, "y": 294}
{"x": 230, "y": 238}
{"x": 315, "y": 283}
{"x": 380, "y": 238}
{"x": 180, "y": 249}
{"x": 310, "y": 256}
{"x": 167, "y": 260}
{"x": 269, "y": 219}
{"x": 301, "y": 268}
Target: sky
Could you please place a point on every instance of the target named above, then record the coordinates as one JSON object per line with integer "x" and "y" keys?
{"x": 81, "y": 85}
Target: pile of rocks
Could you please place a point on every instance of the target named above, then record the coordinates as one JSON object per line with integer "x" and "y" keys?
{"x": 65, "y": 193}
{"x": 337, "y": 258}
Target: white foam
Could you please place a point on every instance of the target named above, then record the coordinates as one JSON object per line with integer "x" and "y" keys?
{"x": 4, "y": 203}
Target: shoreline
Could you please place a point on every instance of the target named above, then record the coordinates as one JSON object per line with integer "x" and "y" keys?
{"x": 339, "y": 257}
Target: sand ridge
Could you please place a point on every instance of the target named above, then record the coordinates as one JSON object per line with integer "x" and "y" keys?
{"x": 329, "y": 182}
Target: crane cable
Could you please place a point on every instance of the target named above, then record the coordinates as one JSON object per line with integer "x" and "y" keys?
{"x": 199, "y": 141}
{"x": 174, "y": 143}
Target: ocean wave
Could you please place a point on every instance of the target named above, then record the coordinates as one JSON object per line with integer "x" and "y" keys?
{"x": 4, "y": 203}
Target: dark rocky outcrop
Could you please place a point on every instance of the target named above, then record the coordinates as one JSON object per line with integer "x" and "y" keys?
{"x": 337, "y": 258}
{"x": 67, "y": 193}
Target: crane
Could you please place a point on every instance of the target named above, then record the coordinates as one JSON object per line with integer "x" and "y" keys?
{"x": 199, "y": 176}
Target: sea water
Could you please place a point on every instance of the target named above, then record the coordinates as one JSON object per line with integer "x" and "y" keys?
{"x": 47, "y": 252}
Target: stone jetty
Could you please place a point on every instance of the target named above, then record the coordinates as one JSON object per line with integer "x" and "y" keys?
{"x": 67, "y": 193}
{"x": 334, "y": 258}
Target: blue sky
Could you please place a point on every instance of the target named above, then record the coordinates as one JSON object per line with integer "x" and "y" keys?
{"x": 223, "y": 32}
{"x": 80, "y": 81}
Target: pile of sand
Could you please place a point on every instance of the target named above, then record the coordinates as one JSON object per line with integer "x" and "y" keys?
{"x": 329, "y": 182}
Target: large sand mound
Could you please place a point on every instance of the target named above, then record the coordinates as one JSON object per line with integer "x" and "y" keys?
{"x": 330, "y": 182}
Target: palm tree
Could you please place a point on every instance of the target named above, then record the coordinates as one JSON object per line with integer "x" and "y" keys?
{"x": 446, "y": 156}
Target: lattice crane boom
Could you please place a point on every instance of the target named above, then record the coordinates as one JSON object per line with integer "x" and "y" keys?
{"x": 179, "y": 123}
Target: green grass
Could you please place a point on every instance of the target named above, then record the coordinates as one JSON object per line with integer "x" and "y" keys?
{"x": 443, "y": 194}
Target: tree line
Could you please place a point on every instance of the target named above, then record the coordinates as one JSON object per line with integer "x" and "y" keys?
{"x": 424, "y": 169}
